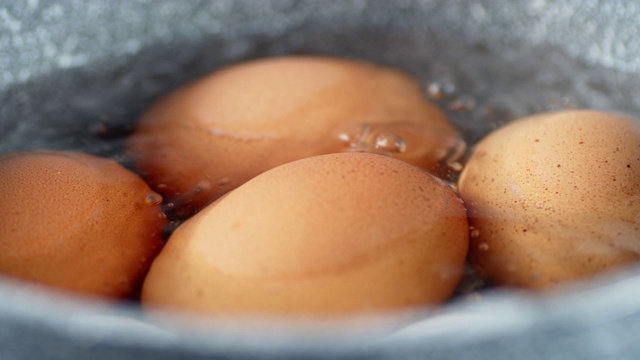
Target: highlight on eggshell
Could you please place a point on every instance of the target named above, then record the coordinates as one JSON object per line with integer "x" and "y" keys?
{"x": 77, "y": 222}
{"x": 554, "y": 198}
{"x": 212, "y": 135}
{"x": 337, "y": 234}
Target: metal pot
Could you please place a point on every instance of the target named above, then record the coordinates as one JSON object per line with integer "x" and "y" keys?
{"x": 77, "y": 74}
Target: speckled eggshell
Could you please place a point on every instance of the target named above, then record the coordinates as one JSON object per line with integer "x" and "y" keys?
{"x": 77, "y": 222}
{"x": 332, "y": 234}
{"x": 216, "y": 133}
{"x": 554, "y": 197}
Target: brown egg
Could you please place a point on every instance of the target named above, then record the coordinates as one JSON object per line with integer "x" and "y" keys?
{"x": 554, "y": 197}
{"x": 77, "y": 222}
{"x": 332, "y": 234}
{"x": 211, "y": 136}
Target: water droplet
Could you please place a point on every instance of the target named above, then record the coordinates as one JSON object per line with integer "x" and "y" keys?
{"x": 391, "y": 142}
{"x": 224, "y": 181}
{"x": 483, "y": 246}
{"x": 162, "y": 186}
{"x": 171, "y": 205}
{"x": 153, "y": 199}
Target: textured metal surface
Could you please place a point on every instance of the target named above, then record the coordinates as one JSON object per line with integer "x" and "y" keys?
{"x": 40, "y": 36}
{"x": 76, "y": 74}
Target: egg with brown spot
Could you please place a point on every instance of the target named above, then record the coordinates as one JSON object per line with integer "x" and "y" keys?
{"x": 333, "y": 234}
{"x": 555, "y": 197}
{"x": 216, "y": 133}
{"x": 77, "y": 222}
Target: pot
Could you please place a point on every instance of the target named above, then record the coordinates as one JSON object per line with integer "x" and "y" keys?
{"x": 77, "y": 75}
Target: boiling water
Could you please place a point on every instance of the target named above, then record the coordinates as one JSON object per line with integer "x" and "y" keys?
{"x": 479, "y": 84}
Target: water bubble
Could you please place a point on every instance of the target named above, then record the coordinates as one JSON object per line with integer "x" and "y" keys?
{"x": 453, "y": 160}
{"x": 344, "y": 137}
{"x": 435, "y": 90}
{"x": 454, "y": 166}
{"x": 153, "y": 199}
{"x": 202, "y": 186}
{"x": 463, "y": 103}
{"x": 354, "y": 136}
{"x": 222, "y": 183}
{"x": 391, "y": 142}
{"x": 361, "y": 137}
{"x": 473, "y": 232}
{"x": 438, "y": 90}
{"x": 412, "y": 142}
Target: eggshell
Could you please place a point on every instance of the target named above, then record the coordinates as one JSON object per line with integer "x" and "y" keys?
{"x": 77, "y": 222}
{"x": 216, "y": 133}
{"x": 332, "y": 234}
{"x": 554, "y": 197}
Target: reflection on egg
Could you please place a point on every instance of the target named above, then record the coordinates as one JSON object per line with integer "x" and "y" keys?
{"x": 332, "y": 234}
{"x": 77, "y": 222}
{"x": 554, "y": 197}
{"x": 212, "y": 135}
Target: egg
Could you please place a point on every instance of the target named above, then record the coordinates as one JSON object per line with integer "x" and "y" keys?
{"x": 554, "y": 197}
{"x": 334, "y": 234}
{"x": 214, "y": 134}
{"x": 77, "y": 222}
